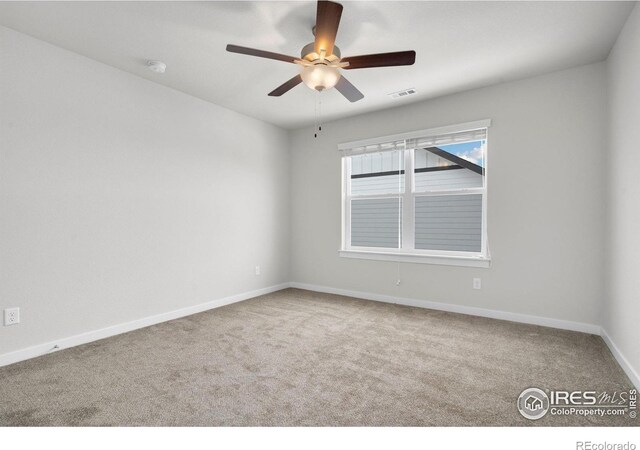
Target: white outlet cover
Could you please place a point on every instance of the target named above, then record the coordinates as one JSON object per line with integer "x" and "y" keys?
{"x": 257, "y": 270}
{"x": 11, "y": 316}
{"x": 477, "y": 283}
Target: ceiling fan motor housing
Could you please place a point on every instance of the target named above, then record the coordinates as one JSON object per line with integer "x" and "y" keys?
{"x": 308, "y": 52}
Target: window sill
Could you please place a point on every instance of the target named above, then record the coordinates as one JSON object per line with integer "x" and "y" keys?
{"x": 462, "y": 261}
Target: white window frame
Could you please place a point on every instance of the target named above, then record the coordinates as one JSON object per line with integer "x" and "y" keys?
{"x": 407, "y": 252}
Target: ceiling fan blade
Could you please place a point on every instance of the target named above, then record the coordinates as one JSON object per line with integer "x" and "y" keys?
{"x": 327, "y": 22}
{"x": 380, "y": 60}
{"x": 260, "y": 53}
{"x": 277, "y": 92}
{"x": 349, "y": 90}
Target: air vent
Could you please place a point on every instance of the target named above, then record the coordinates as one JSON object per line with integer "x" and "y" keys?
{"x": 404, "y": 93}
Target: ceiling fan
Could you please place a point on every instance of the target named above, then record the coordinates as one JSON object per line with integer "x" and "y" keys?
{"x": 321, "y": 60}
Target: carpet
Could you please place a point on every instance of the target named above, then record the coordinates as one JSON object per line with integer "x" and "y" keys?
{"x": 300, "y": 358}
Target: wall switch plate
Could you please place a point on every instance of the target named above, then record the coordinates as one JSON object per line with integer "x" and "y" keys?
{"x": 257, "y": 270}
{"x": 11, "y": 316}
{"x": 477, "y": 283}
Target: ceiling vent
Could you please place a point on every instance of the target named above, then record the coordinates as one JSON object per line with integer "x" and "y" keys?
{"x": 403, "y": 93}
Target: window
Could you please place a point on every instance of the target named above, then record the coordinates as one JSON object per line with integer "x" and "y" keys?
{"x": 419, "y": 197}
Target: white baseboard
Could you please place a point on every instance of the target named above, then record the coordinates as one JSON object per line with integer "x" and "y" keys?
{"x": 482, "y": 312}
{"x": 79, "y": 339}
{"x": 72, "y": 341}
{"x": 470, "y": 310}
{"x": 624, "y": 363}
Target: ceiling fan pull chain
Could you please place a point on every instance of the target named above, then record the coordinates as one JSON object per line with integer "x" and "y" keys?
{"x": 317, "y": 125}
{"x": 315, "y": 115}
{"x": 319, "y": 111}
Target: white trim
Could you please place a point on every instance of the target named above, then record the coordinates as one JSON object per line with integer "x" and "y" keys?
{"x": 407, "y": 222}
{"x": 460, "y": 309}
{"x": 407, "y": 197}
{"x": 624, "y": 362}
{"x": 443, "y": 260}
{"x": 346, "y": 205}
{"x": 484, "y": 250}
{"x": 90, "y": 336}
{"x": 461, "y": 127}
{"x": 441, "y": 192}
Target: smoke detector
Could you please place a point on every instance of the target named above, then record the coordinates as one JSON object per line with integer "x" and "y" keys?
{"x": 156, "y": 66}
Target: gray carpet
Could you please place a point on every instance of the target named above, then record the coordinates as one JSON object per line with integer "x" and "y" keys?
{"x": 301, "y": 358}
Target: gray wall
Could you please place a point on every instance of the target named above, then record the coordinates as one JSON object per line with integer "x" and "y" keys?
{"x": 545, "y": 228}
{"x": 122, "y": 199}
{"x": 622, "y": 302}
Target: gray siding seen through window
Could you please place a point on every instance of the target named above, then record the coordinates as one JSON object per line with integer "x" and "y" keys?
{"x": 449, "y": 222}
{"x": 376, "y": 222}
{"x": 385, "y": 184}
{"x": 441, "y": 222}
{"x": 447, "y": 179}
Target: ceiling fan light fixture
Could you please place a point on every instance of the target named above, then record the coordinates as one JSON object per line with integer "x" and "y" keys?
{"x": 320, "y": 76}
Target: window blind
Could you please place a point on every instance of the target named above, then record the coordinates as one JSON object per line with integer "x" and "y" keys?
{"x": 470, "y": 131}
{"x": 446, "y": 139}
{"x": 375, "y": 148}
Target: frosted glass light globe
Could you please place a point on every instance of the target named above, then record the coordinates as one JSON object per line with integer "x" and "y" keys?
{"x": 320, "y": 77}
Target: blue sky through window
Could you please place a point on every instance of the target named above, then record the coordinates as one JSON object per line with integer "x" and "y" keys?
{"x": 471, "y": 151}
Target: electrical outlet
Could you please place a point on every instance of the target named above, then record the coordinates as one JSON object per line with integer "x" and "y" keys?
{"x": 257, "y": 270}
{"x": 11, "y": 316}
{"x": 477, "y": 283}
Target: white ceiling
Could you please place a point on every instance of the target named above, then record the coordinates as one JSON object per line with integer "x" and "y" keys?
{"x": 459, "y": 45}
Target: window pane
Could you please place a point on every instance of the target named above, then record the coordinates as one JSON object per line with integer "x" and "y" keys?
{"x": 376, "y": 222}
{"x": 454, "y": 166}
{"x": 377, "y": 173}
{"x": 449, "y": 222}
